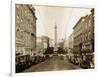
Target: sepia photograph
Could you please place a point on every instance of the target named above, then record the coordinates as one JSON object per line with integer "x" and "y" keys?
{"x": 54, "y": 38}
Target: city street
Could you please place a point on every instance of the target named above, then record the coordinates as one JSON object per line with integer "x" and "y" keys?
{"x": 66, "y": 44}
{"x": 55, "y": 63}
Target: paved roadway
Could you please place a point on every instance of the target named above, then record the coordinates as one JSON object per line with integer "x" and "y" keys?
{"x": 53, "y": 64}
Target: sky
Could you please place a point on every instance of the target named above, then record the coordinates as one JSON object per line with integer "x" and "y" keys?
{"x": 64, "y": 18}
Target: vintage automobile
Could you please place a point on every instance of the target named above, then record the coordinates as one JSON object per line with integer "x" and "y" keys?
{"x": 25, "y": 61}
{"x": 71, "y": 59}
{"x": 88, "y": 62}
{"x": 85, "y": 64}
{"x": 22, "y": 62}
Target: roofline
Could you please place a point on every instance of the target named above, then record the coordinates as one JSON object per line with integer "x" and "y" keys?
{"x": 78, "y": 22}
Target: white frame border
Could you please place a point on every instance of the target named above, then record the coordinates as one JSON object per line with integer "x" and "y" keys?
{"x": 34, "y": 2}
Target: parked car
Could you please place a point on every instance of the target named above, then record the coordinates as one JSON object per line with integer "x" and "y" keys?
{"x": 32, "y": 59}
{"x": 72, "y": 59}
{"x": 22, "y": 62}
{"x": 88, "y": 61}
{"x": 47, "y": 56}
{"x": 76, "y": 61}
{"x": 85, "y": 64}
{"x": 25, "y": 61}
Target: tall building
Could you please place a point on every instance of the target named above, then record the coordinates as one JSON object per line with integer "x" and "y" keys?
{"x": 84, "y": 38}
{"x": 25, "y": 29}
{"x": 88, "y": 37}
{"x": 77, "y": 37}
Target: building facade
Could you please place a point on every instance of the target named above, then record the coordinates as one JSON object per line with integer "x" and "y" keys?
{"x": 70, "y": 46}
{"x": 77, "y": 37}
{"x": 70, "y": 41}
{"x": 84, "y": 38}
{"x": 88, "y": 37}
{"x": 25, "y": 29}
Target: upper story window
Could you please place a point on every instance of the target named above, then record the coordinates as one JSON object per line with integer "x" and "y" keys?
{"x": 89, "y": 23}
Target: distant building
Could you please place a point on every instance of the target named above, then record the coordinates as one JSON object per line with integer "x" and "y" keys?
{"x": 25, "y": 29}
{"x": 77, "y": 37}
{"x": 45, "y": 41}
{"x": 70, "y": 41}
{"x": 70, "y": 46}
{"x": 39, "y": 45}
{"x": 66, "y": 43}
{"x": 60, "y": 43}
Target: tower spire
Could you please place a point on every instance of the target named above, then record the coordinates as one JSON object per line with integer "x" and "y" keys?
{"x": 55, "y": 35}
